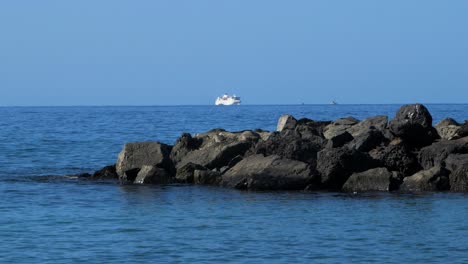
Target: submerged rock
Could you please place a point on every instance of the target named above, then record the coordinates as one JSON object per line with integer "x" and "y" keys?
{"x": 108, "y": 172}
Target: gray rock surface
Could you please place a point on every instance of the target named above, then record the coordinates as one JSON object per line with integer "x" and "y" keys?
{"x": 136, "y": 155}
{"x": 433, "y": 179}
{"x": 152, "y": 175}
{"x": 258, "y": 172}
{"x": 435, "y": 154}
{"x": 378, "y": 179}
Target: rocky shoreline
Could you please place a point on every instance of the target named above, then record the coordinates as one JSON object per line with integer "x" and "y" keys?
{"x": 405, "y": 154}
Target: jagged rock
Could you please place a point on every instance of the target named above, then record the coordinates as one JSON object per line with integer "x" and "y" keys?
{"x": 413, "y": 123}
{"x": 339, "y": 126}
{"x": 310, "y": 129}
{"x": 378, "y": 179}
{"x": 368, "y": 140}
{"x": 448, "y": 129}
{"x": 433, "y": 179}
{"x": 435, "y": 154}
{"x": 206, "y": 177}
{"x": 379, "y": 123}
{"x": 258, "y": 172}
{"x": 107, "y": 172}
{"x": 136, "y": 155}
{"x": 185, "y": 173}
{"x": 286, "y": 122}
{"x": 397, "y": 157}
{"x": 339, "y": 140}
{"x": 291, "y": 144}
{"x": 152, "y": 175}
{"x": 337, "y": 164}
{"x": 459, "y": 180}
{"x": 214, "y": 149}
{"x": 456, "y": 161}
{"x": 463, "y": 132}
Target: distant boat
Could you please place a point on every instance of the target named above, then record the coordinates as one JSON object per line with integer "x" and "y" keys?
{"x": 333, "y": 102}
{"x": 228, "y": 100}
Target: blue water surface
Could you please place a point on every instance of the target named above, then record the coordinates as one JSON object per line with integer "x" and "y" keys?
{"x": 48, "y": 218}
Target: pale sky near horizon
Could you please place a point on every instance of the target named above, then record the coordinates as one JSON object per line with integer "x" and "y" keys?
{"x": 115, "y": 52}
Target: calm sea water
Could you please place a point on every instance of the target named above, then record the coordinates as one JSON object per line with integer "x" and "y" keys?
{"x": 48, "y": 218}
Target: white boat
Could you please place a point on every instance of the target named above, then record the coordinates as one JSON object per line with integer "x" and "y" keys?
{"x": 228, "y": 100}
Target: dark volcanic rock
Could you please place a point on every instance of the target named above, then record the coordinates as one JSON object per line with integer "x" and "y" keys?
{"x": 206, "y": 177}
{"x": 435, "y": 154}
{"x": 463, "y": 132}
{"x": 136, "y": 155}
{"x": 107, "y": 172}
{"x": 433, "y": 179}
{"x": 379, "y": 123}
{"x": 268, "y": 173}
{"x": 456, "y": 161}
{"x": 337, "y": 164}
{"x": 397, "y": 157}
{"x": 291, "y": 144}
{"x": 214, "y": 149}
{"x": 185, "y": 173}
{"x": 339, "y": 140}
{"x": 368, "y": 140}
{"x": 413, "y": 123}
{"x": 152, "y": 175}
{"x": 459, "y": 180}
{"x": 378, "y": 179}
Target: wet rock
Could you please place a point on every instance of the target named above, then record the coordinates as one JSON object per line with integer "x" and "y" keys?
{"x": 337, "y": 164}
{"x": 413, "y": 123}
{"x": 107, "y": 172}
{"x": 379, "y": 123}
{"x": 136, "y": 155}
{"x": 433, "y": 179}
{"x": 435, "y": 154}
{"x": 214, "y": 149}
{"x": 258, "y": 172}
{"x": 286, "y": 122}
{"x": 152, "y": 175}
{"x": 378, "y": 179}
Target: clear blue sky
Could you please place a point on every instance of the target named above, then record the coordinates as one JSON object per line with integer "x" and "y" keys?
{"x": 113, "y": 52}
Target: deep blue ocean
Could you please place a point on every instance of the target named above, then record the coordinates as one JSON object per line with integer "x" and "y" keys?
{"x": 46, "y": 217}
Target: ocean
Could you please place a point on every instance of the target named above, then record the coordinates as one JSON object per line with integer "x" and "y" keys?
{"x": 47, "y": 217}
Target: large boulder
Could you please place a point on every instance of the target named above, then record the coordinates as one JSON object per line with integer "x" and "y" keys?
{"x": 339, "y": 140}
{"x": 378, "y": 179}
{"x": 339, "y": 126}
{"x": 396, "y": 156}
{"x": 379, "y": 123}
{"x": 206, "y": 177}
{"x": 413, "y": 123}
{"x": 459, "y": 180}
{"x": 300, "y": 144}
{"x": 433, "y": 179}
{"x": 463, "y": 132}
{"x": 136, "y": 155}
{"x": 152, "y": 175}
{"x": 214, "y": 149}
{"x": 448, "y": 129}
{"x": 185, "y": 174}
{"x": 368, "y": 140}
{"x": 258, "y": 172}
{"x": 435, "y": 154}
{"x": 337, "y": 164}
